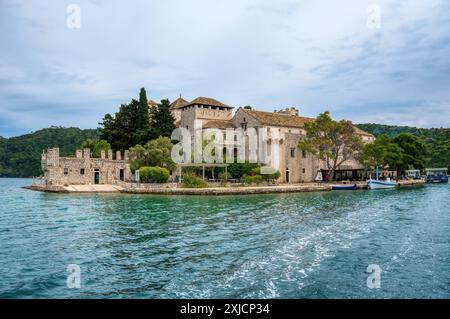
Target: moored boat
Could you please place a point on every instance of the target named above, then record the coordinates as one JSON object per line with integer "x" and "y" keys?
{"x": 436, "y": 175}
{"x": 377, "y": 184}
{"x": 344, "y": 187}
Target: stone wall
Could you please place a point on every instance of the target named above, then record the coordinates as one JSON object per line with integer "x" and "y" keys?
{"x": 81, "y": 169}
{"x": 195, "y": 112}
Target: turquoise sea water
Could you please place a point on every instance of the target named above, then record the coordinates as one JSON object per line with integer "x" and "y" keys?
{"x": 307, "y": 245}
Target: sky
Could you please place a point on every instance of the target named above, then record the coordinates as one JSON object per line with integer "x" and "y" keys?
{"x": 372, "y": 61}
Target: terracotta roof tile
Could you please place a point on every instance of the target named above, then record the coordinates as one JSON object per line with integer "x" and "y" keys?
{"x": 220, "y": 124}
{"x": 284, "y": 120}
{"x": 278, "y": 119}
{"x": 178, "y": 103}
{"x": 208, "y": 101}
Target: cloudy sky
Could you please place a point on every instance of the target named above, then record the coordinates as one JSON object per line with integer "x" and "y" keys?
{"x": 316, "y": 55}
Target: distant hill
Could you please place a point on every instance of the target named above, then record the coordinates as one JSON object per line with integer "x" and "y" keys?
{"x": 21, "y": 156}
{"x": 436, "y": 139}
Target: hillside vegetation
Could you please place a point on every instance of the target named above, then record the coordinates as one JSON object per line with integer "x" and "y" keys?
{"x": 437, "y": 140}
{"x": 21, "y": 156}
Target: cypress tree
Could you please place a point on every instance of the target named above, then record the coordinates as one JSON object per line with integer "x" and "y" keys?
{"x": 143, "y": 119}
{"x": 163, "y": 121}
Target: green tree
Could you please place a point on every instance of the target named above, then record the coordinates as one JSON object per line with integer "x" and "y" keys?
{"x": 413, "y": 152}
{"x": 129, "y": 126}
{"x": 96, "y": 146}
{"x": 143, "y": 119}
{"x": 334, "y": 142}
{"x": 162, "y": 122}
{"x": 159, "y": 153}
{"x": 156, "y": 152}
{"x": 138, "y": 157}
{"x": 383, "y": 153}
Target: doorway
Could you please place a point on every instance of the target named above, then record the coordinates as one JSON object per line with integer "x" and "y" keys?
{"x": 96, "y": 176}
{"x": 287, "y": 175}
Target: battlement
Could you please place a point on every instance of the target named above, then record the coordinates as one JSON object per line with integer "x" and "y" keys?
{"x": 51, "y": 157}
{"x": 83, "y": 169}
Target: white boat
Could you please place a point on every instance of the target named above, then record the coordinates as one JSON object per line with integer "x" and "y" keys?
{"x": 377, "y": 184}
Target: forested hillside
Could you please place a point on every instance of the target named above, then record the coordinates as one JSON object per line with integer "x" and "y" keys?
{"x": 436, "y": 139}
{"x": 21, "y": 156}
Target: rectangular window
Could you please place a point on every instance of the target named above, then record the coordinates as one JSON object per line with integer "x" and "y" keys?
{"x": 66, "y": 171}
{"x": 82, "y": 171}
{"x": 292, "y": 152}
{"x": 303, "y": 153}
{"x": 303, "y": 170}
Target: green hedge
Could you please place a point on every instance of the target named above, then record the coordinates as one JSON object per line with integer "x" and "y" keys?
{"x": 238, "y": 170}
{"x": 153, "y": 174}
{"x": 193, "y": 181}
{"x": 257, "y": 171}
{"x": 256, "y": 179}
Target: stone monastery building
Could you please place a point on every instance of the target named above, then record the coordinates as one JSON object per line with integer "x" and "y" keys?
{"x": 294, "y": 165}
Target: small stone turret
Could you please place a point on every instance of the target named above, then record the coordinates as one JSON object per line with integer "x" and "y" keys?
{"x": 51, "y": 158}
{"x": 289, "y": 111}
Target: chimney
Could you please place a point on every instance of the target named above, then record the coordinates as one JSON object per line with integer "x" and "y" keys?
{"x": 118, "y": 156}
{"x": 79, "y": 154}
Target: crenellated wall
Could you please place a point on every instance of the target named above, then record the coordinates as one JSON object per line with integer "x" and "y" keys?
{"x": 82, "y": 169}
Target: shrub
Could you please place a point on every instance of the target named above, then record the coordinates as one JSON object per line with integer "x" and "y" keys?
{"x": 193, "y": 181}
{"x": 275, "y": 175}
{"x": 153, "y": 174}
{"x": 238, "y": 170}
{"x": 256, "y": 179}
{"x": 223, "y": 176}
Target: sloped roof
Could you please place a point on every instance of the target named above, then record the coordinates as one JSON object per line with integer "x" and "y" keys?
{"x": 278, "y": 119}
{"x": 220, "y": 124}
{"x": 284, "y": 120}
{"x": 152, "y": 103}
{"x": 178, "y": 103}
{"x": 208, "y": 101}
